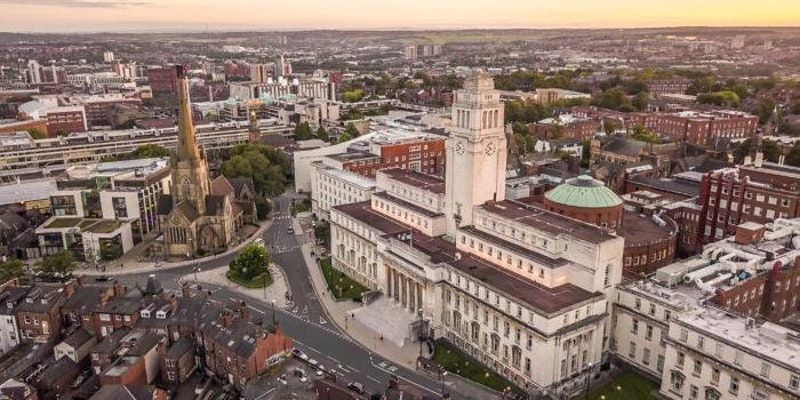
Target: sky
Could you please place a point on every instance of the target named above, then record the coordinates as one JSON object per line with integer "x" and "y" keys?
{"x": 160, "y": 15}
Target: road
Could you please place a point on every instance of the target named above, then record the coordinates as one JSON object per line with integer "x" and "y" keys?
{"x": 306, "y": 321}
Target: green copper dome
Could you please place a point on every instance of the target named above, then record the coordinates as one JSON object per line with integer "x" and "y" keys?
{"x": 583, "y": 191}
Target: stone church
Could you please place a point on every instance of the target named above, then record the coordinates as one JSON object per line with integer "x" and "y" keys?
{"x": 199, "y": 215}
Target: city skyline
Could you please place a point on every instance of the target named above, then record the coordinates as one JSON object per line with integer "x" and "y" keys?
{"x": 162, "y": 15}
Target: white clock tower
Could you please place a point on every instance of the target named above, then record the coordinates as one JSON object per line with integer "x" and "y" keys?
{"x": 476, "y": 150}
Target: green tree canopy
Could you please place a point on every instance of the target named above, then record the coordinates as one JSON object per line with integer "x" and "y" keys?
{"x": 251, "y": 261}
{"x": 322, "y": 134}
{"x": 11, "y": 269}
{"x": 640, "y": 101}
{"x": 724, "y": 98}
{"x": 353, "y": 96}
{"x": 644, "y": 134}
{"x": 613, "y": 99}
{"x": 525, "y": 112}
{"x": 303, "y": 131}
{"x": 267, "y": 167}
{"x": 36, "y": 133}
{"x": 772, "y": 151}
{"x": 350, "y": 132}
{"x": 793, "y": 158}
{"x": 57, "y": 267}
{"x": 143, "y": 151}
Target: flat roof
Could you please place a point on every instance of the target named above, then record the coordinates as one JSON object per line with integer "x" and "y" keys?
{"x": 416, "y": 179}
{"x": 547, "y": 221}
{"x": 27, "y": 191}
{"x": 766, "y": 341}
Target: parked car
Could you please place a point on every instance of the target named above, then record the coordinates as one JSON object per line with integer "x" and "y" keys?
{"x": 356, "y": 387}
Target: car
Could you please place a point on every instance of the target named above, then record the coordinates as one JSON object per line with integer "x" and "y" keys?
{"x": 356, "y": 387}
{"x": 319, "y": 373}
{"x": 303, "y": 379}
{"x": 313, "y": 361}
{"x": 290, "y": 230}
{"x": 101, "y": 278}
{"x": 299, "y": 354}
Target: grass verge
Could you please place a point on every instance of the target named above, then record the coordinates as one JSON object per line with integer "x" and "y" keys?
{"x": 343, "y": 287}
{"x": 456, "y": 361}
{"x": 629, "y": 385}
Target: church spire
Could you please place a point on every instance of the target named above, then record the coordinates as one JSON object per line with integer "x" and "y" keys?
{"x": 187, "y": 149}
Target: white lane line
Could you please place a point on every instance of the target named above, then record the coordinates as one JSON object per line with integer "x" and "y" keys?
{"x": 334, "y": 360}
{"x": 374, "y": 380}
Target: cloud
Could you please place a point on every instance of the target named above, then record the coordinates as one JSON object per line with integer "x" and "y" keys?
{"x": 81, "y": 3}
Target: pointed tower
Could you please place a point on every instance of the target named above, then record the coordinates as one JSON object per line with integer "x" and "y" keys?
{"x": 189, "y": 168}
{"x": 253, "y": 132}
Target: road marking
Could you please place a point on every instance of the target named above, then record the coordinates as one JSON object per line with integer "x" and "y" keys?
{"x": 374, "y": 380}
{"x": 336, "y": 361}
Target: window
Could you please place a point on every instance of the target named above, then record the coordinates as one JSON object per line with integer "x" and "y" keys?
{"x": 680, "y": 360}
{"x": 635, "y": 327}
{"x": 764, "y": 369}
{"x": 637, "y": 304}
{"x": 738, "y": 358}
{"x": 693, "y": 391}
{"x": 684, "y": 335}
{"x": 646, "y": 357}
{"x": 794, "y": 382}
{"x": 734, "y": 388}
{"x": 698, "y": 367}
{"x": 700, "y": 342}
{"x": 649, "y": 333}
{"x": 715, "y": 376}
{"x": 677, "y": 381}
{"x": 632, "y": 350}
{"x": 660, "y": 363}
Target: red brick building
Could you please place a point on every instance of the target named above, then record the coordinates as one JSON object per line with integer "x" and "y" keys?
{"x": 663, "y": 86}
{"x": 65, "y": 120}
{"x": 771, "y": 293}
{"x": 162, "y": 80}
{"x": 424, "y": 154}
{"x": 566, "y": 126}
{"x": 703, "y": 128}
{"x": 100, "y": 111}
{"x": 749, "y": 193}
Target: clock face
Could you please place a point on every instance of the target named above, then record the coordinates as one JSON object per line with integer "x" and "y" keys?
{"x": 490, "y": 148}
{"x": 460, "y": 148}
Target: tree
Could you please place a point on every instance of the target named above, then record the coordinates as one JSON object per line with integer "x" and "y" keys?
{"x": 796, "y": 107}
{"x": 586, "y": 155}
{"x": 36, "y": 133}
{"x": 724, "y": 98}
{"x": 640, "y": 101}
{"x": 11, "y": 269}
{"x": 613, "y": 99}
{"x": 609, "y": 127}
{"x": 57, "y": 267}
{"x": 322, "y": 134}
{"x": 350, "y": 132}
{"x": 264, "y": 164}
{"x": 353, "y": 96}
{"x": 643, "y": 134}
{"x": 251, "y": 262}
{"x": 303, "y": 131}
{"x": 141, "y": 152}
{"x": 765, "y": 110}
{"x": 771, "y": 150}
{"x": 793, "y": 158}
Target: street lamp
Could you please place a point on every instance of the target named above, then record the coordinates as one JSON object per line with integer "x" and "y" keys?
{"x": 588, "y": 380}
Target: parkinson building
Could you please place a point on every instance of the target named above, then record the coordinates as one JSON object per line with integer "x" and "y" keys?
{"x": 524, "y": 290}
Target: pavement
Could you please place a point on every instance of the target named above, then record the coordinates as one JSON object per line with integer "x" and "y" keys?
{"x": 318, "y": 324}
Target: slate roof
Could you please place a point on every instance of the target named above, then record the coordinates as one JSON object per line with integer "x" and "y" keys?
{"x": 84, "y": 300}
{"x": 179, "y": 348}
{"x": 188, "y": 210}
{"x": 220, "y": 186}
{"x": 79, "y": 337}
{"x": 41, "y": 298}
{"x": 120, "y": 305}
{"x": 10, "y": 298}
{"x": 624, "y": 146}
{"x": 164, "y": 205}
{"x": 239, "y": 184}
{"x": 124, "y": 392}
{"x": 215, "y": 204}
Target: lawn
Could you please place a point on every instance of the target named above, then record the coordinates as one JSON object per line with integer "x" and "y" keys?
{"x": 302, "y": 206}
{"x": 342, "y": 286}
{"x": 627, "y": 386}
{"x": 257, "y": 282}
{"x": 458, "y": 362}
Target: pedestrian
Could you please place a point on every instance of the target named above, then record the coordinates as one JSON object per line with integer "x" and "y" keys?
{"x": 381, "y": 338}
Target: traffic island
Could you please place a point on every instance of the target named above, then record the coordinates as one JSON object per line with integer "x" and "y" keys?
{"x": 256, "y": 282}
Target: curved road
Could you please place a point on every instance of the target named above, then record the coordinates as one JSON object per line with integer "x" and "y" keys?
{"x": 306, "y": 321}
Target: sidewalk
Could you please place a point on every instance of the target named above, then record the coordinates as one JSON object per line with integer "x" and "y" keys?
{"x": 275, "y": 292}
{"x": 133, "y": 267}
{"x": 340, "y": 313}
